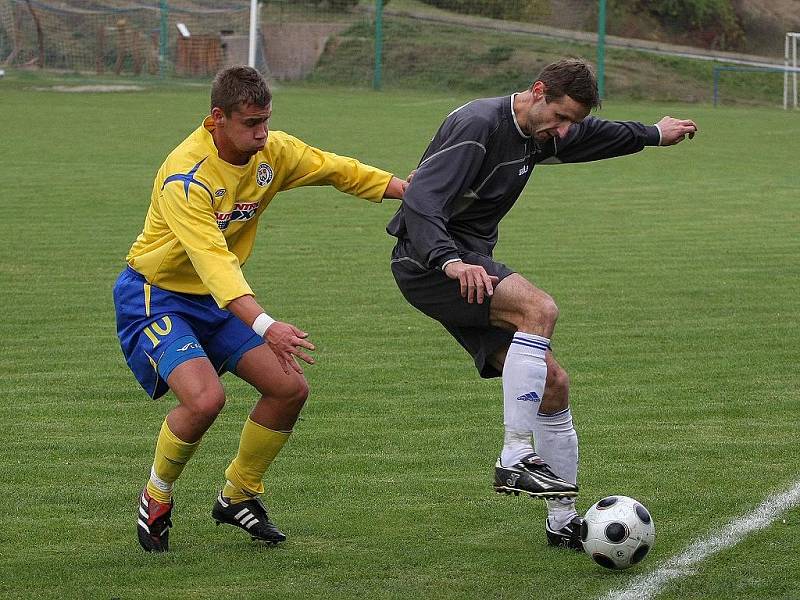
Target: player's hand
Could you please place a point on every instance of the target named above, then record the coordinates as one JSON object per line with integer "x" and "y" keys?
{"x": 411, "y": 176}
{"x": 286, "y": 341}
{"x": 475, "y": 282}
{"x": 674, "y": 131}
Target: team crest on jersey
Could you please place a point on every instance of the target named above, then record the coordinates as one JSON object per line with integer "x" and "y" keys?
{"x": 220, "y": 192}
{"x": 264, "y": 174}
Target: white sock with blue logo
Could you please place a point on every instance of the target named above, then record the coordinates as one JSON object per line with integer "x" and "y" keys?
{"x": 557, "y": 445}
{"x": 524, "y": 374}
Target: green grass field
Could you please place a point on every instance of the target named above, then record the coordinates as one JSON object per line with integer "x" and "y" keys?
{"x": 676, "y": 272}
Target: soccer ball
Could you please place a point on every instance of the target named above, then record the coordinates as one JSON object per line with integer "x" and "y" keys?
{"x": 618, "y": 532}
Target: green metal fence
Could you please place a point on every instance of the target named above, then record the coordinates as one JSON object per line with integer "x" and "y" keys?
{"x": 487, "y": 47}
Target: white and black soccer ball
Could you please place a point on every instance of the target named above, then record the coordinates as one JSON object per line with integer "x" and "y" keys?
{"x": 618, "y": 532}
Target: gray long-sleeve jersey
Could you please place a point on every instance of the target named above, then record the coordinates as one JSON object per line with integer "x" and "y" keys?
{"x": 476, "y": 167}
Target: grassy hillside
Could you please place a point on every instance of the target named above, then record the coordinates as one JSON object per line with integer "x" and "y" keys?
{"x": 424, "y": 55}
{"x": 753, "y": 26}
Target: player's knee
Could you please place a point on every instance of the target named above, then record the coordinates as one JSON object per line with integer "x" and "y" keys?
{"x": 541, "y": 311}
{"x": 295, "y": 394}
{"x": 549, "y": 310}
{"x": 208, "y": 403}
{"x": 300, "y": 392}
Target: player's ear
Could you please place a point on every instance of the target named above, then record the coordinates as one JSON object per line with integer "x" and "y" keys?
{"x": 218, "y": 115}
{"x": 538, "y": 90}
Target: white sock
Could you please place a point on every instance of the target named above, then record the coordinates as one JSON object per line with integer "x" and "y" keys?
{"x": 560, "y": 512}
{"x": 516, "y": 445}
{"x": 158, "y": 482}
{"x": 524, "y": 374}
{"x": 557, "y": 444}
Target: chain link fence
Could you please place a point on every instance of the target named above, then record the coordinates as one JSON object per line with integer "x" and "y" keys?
{"x": 489, "y": 47}
{"x": 131, "y": 38}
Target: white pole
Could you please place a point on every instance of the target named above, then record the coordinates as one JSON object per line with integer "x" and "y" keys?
{"x": 786, "y": 73}
{"x": 251, "y": 50}
{"x": 794, "y": 65}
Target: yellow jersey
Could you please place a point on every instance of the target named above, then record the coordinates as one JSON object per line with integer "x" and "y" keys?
{"x": 201, "y": 223}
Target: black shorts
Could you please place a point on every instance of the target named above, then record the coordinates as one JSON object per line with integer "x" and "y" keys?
{"x": 435, "y": 294}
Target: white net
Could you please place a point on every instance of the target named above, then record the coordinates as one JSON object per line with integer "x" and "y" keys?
{"x": 124, "y": 37}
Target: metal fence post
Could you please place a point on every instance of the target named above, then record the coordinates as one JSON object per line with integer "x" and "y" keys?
{"x": 163, "y": 40}
{"x": 252, "y": 40}
{"x": 601, "y": 49}
{"x": 377, "y": 76}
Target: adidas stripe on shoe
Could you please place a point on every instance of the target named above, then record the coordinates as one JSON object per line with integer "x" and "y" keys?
{"x": 250, "y": 515}
{"x": 153, "y": 523}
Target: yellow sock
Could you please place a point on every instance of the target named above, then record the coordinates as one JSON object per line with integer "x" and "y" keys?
{"x": 172, "y": 454}
{"x": 258, "y": 447}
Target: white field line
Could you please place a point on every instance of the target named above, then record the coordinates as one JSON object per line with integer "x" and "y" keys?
{"x": 650, "y": 585}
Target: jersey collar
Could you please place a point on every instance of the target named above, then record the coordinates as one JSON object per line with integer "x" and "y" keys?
{"x": 514, "y": 117}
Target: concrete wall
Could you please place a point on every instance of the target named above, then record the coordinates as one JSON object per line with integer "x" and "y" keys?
{"x": 293, "y": 49}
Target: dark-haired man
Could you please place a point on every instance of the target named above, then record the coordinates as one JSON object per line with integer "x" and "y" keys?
{"x": 469, "y": 177}
{"x": 185, "y": 313}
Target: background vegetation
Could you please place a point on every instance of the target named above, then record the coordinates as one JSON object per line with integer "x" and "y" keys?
{"x": 429, "y": 55}
{"x": 743, "y": 25}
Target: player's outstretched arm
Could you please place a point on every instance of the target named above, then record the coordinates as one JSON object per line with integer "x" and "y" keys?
{"x": 396, "y": 188}
{"x": 284, "y": 339}
{"x": 674, "y": 131}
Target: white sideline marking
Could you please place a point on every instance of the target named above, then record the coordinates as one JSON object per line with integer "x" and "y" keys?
{"x": 650, "y": 585}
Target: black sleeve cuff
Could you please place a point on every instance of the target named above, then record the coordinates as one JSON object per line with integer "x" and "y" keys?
{"x": 449, "y": 258}
{"x": 653, "y": 136}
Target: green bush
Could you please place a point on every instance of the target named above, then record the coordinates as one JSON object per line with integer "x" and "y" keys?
{"x": 694, "y": 13}
{"x": 342, "y": 4}
{"x": 339, "y": 5}
{"x": 714, "y": 22}
{"x": 710, "y": 23}
{"x": 489, "y": 8}
{"x": 518, "y": 10}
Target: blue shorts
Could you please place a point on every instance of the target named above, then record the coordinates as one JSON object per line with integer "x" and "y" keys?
{"x": 159, "y": 329}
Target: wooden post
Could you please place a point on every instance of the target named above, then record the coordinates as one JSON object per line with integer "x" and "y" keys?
{"x": 137, "y": 52}
{"x": 100, "y": 54}
{"x": 151, "y": 56}
{"x": 17, "y": 16}
{"x": 122, "y": 44}
{"x": 39, "y": 33}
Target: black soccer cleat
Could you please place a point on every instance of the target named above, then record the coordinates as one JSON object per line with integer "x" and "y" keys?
{"x": 250, "y": 515}
{"x": 153, "y": 523}
{"x": 531, "y": 476}
{"x": 568, "y": 537}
